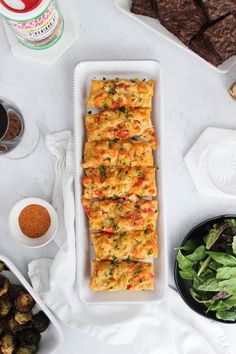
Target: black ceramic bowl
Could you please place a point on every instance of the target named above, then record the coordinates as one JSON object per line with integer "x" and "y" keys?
{"x": 183, "y": 285}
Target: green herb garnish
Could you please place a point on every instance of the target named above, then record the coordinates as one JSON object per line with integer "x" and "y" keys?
{"x": 137, "y": 271}
{"x": 111, "y": 91}
{"x": 122, "y": 109}
{"x": 102, "y": 171}
{"x": 106, "y": 106}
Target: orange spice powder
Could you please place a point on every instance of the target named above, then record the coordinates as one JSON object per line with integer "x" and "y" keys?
{"x": 34, "y": 221}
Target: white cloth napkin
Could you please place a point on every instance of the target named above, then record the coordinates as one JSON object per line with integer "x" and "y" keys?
{"x": 169, "y": 328}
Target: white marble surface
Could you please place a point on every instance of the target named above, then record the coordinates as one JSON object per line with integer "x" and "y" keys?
{"x": 196, "y": 97}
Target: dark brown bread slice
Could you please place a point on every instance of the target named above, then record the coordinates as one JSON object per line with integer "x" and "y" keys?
{"x": 222, "y": 37}
{"x": 185, "y": 22}
{"x": 205, "y": 50}
{"x": 144, "y": 7}
{"x": 218, "y": 8}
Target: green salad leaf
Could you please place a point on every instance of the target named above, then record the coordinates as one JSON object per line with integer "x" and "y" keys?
{"x": 198, "y": 254}
{"x": 188, "y": 274}
{"x": 232, "y": 224}
{"x": 226, "y": 304}
{"x": 210, "y": 284}
{"x": 183, "y": 262}
{"x": 223, "y": 258}
{"x": 189, "y": 246}
{"x": 213, "y": 235}
{"x": 225, "y": 273}
{"x": 214, "y": 265}
{"x": 204, "y": 265}
{"x": 234, "y": 245}
{"x": 228, "y": 285}
{"x": 226, "y": 315}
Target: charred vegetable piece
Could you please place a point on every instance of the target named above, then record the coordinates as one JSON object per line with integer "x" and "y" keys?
{"x": 1, "y": 327}
{"x": 24, "y": 302}
{"x": 7, "y": 344}
{"x": 27, "y": 349}
{"x": 3, "y": 266}
{"x": 28, "y": 336}
{"x": 4, "y": 285}
{"x": 14, "y": 291}
{"x": 5, "y": 306}
{"x": 40, "y": 321}
{"x": 23, "y": 318}
{"x": 10, "y": 324}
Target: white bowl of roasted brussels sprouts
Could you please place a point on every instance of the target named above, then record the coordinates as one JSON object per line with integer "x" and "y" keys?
{"x": 26, "y": 324}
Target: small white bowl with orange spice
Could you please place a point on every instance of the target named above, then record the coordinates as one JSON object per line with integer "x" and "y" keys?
{"x": 33, "y": 222}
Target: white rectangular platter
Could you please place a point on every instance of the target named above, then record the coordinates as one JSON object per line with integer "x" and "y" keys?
{"x": 84, "y": 73}
{"x": 156, "y": 26}
{"x": 52, "y": 338}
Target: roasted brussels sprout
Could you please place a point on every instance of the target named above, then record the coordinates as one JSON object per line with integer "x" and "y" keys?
{"x": 23, "y": 318}
{"x": 40, "y": 321}
{"x": 14, "y": 291}
{"x": 1, "y": 327}
{"x": 27, "y": 349}
{"x": 4, "y": 285}
{"x": 7, "y": 344}
{"x": 10, "y": 324}
{"x": 24, "y": 302}
{"x": 5, "y": 306}
{"x": 3, "y": 266}
{"x": 28, "y": 336}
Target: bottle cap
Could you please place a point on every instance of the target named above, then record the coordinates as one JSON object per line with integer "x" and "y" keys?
{"x": 20, "y": 6}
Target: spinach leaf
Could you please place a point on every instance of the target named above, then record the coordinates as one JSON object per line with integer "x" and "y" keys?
{"x": 197, "y": 282}
{"x": 226, "y": 315}
{"x": 183, "y": 262}
{"x": 189, "y": 246}
{"x": 188, "y": 274}
{"x": 213, "y": 235}
{"x": 209, "y": 285}
{"x": 223, "y": 258}
{"x": 214, "y": 265}
{"x": 228, "y": 285}
{"x": 198, "y": 254}
{"x": 234, "y": 245}
{"x": 207, "y": 274}
{"x": 225, "y": 273}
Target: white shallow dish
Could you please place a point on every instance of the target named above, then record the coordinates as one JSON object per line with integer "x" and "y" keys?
{"x": 15, "y": 229}
{"x": 211, "y": 162}
{"x": 52, "y": 338}
{"x": 156, "y": 26}
{"x": 84, "y": 73}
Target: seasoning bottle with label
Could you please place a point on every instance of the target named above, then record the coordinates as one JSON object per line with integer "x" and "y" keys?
{"x": 38, "y": 24}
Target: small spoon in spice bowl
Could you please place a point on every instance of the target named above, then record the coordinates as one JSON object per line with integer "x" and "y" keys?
{"x": 33, "y": 222}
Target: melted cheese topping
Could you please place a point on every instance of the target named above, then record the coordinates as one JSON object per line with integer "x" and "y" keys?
{"x": 115, "y": 276}
{"x": 110, "y": 125}
{"x": 120, "y": 154}
{"x": 116, "y": 182}
{"x": 109, "y": 94}
{"x": 129, "y": 245}
{"x": 120, "y": 216}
